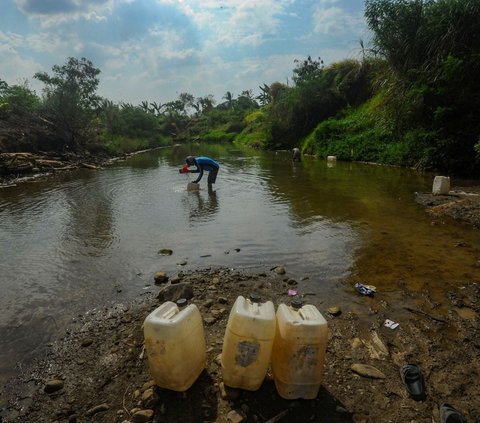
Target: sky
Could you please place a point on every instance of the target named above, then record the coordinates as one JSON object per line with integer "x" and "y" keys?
{"x": 154, "y": 50}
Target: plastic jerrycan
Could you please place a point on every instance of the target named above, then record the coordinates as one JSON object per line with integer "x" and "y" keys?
{"x": 248, "y": 341}
{"x": 175, "y": 344}
{"x": 299, "y": 349}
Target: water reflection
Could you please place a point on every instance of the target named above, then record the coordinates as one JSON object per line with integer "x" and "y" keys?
{"x": 78, "y": 241}
{"x": 202, "y": 207}
{"x": 90, "y": 227}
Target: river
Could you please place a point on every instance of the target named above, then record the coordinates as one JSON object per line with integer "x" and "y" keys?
{"x": 89, "y": 239}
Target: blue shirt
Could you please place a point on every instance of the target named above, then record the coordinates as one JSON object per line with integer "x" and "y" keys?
{"x": 204, "y": 163}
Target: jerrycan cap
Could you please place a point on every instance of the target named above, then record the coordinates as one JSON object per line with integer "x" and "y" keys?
{"x": 255, "y": 298}
{"x": 296, "y": 304}
{"x": 182, "y": 302}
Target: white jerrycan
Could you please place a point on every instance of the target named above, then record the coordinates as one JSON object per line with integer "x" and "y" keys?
{"x": 175, "y": 345}
{"x": 248, "y": 342}
{"x": 299, "y": 349}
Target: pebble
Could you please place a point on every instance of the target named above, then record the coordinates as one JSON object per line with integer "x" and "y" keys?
{"x": 160, "y": 277}
{"x": 335, "y": 311}
{"x": 234, "y": 417}
{"x": 142, "y": 416}
{"x": 280, "y": 270}
{"x": 209, "y": 320}
{"x": 366, "y": 370}
{"x": 97, "y": 409}
{"x": 87, "y": 342}
{"x": 165, "y": 252}
{"x": 53, "y": 386}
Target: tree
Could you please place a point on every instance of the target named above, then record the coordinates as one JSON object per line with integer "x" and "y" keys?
{"x": 307, "y": 70}
{"x": 432, "y": 50}
{"x": 18, "y": 99}
{"x": 70, "y": 101}
{"x": 229, "y": 97}
{"x": 264, "y": 96}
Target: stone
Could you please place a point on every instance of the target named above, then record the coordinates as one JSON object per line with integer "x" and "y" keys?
{"x": 160, "y": 277}
{"x": 97, "y": 409}
{"x": 175, "y": 292}
{"x": 87, "y": 342}
{"x": 175, "y": 280}
{"x": 53, "y": 386}
{"x": 280, "y": 270}
{"x": 334, "y": 311}
{"x": 209, "y": 320}
{"x": 235, "y": 417}
{"x": 357, "y": 343}
{"x": 149, "y": 398}
{"x": 208, "y": 303}
{"x": 366, "y": 370}
{"x": 142, "y": 416}
{"x": 165, "y": 252}
{"x": 148, "y": 385}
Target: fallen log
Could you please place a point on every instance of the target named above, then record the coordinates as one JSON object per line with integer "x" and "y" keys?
{"x": 49, "y": 163}
{"x": 89, "y": 166}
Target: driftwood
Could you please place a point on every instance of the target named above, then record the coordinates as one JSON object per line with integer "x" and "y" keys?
{"x": 14, "y": 164}
{"x": 50, "y": 163}
{"x": 89, "y": 166}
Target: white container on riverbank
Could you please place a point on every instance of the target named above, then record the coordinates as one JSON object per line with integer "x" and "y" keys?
{"x": 299, "y": 349}
{"x": 175, "y": 345}
{"x": 331, "y": 159}
{"x": 441, "y": 185}
{"x": 248, "y": 342}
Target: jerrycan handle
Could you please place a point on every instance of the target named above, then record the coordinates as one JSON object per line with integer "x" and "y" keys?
{"x": 255, "y": 300}
{"x": 297, "y": 305}
{"x": 181, "y": 303}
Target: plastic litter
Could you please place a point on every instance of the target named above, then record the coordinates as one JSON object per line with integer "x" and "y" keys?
{"x": 292, "y": 292}
{"x": 364, "y": 289}
{"x": 391, "y": 324}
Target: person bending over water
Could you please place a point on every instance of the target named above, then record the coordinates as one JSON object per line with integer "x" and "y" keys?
{"x": 203, "y": 163}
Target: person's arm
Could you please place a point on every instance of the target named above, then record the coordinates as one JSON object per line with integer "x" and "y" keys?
{"x": 199, "y": 170}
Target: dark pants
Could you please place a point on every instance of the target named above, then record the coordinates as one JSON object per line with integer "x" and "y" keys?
{"x": 212, "y": 176}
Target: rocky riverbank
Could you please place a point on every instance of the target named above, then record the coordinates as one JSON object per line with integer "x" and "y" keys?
{"x": 461, "y": 204}
{"x": 98, "y": 372}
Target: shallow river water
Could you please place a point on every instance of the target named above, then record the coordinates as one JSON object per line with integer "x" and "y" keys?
{"x": 80, "y": 241}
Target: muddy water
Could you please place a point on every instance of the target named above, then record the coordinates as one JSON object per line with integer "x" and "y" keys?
{"x": 78, "y": 242}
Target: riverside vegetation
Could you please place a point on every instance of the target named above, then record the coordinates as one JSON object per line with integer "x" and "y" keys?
{"x": 413, "y": 99}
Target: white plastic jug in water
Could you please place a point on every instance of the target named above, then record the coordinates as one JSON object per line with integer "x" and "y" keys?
{"x": 299, "y": 349}
{"x": 247, "y": 344}
{"x": 441, "y": 185}
{"x": 175, "y": 345}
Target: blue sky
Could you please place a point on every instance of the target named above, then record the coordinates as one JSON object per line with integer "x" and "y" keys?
{"x": 153, "y": 50}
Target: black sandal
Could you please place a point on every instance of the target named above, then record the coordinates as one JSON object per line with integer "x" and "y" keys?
{"x": 413, "y": 379}
{"x": 448, "y": 414}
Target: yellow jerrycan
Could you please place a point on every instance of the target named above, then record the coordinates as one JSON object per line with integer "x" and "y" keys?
{"x": 248, "y": 342}
{"x": 299, "y": 348}
{"x": 175, "y": 344}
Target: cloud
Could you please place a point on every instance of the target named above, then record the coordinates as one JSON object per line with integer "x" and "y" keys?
{"x": 236, "y": 22}
{"x": 335, "y": 21}
{"x": 56, "y": 12}
{"x": 15, "y": 68}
